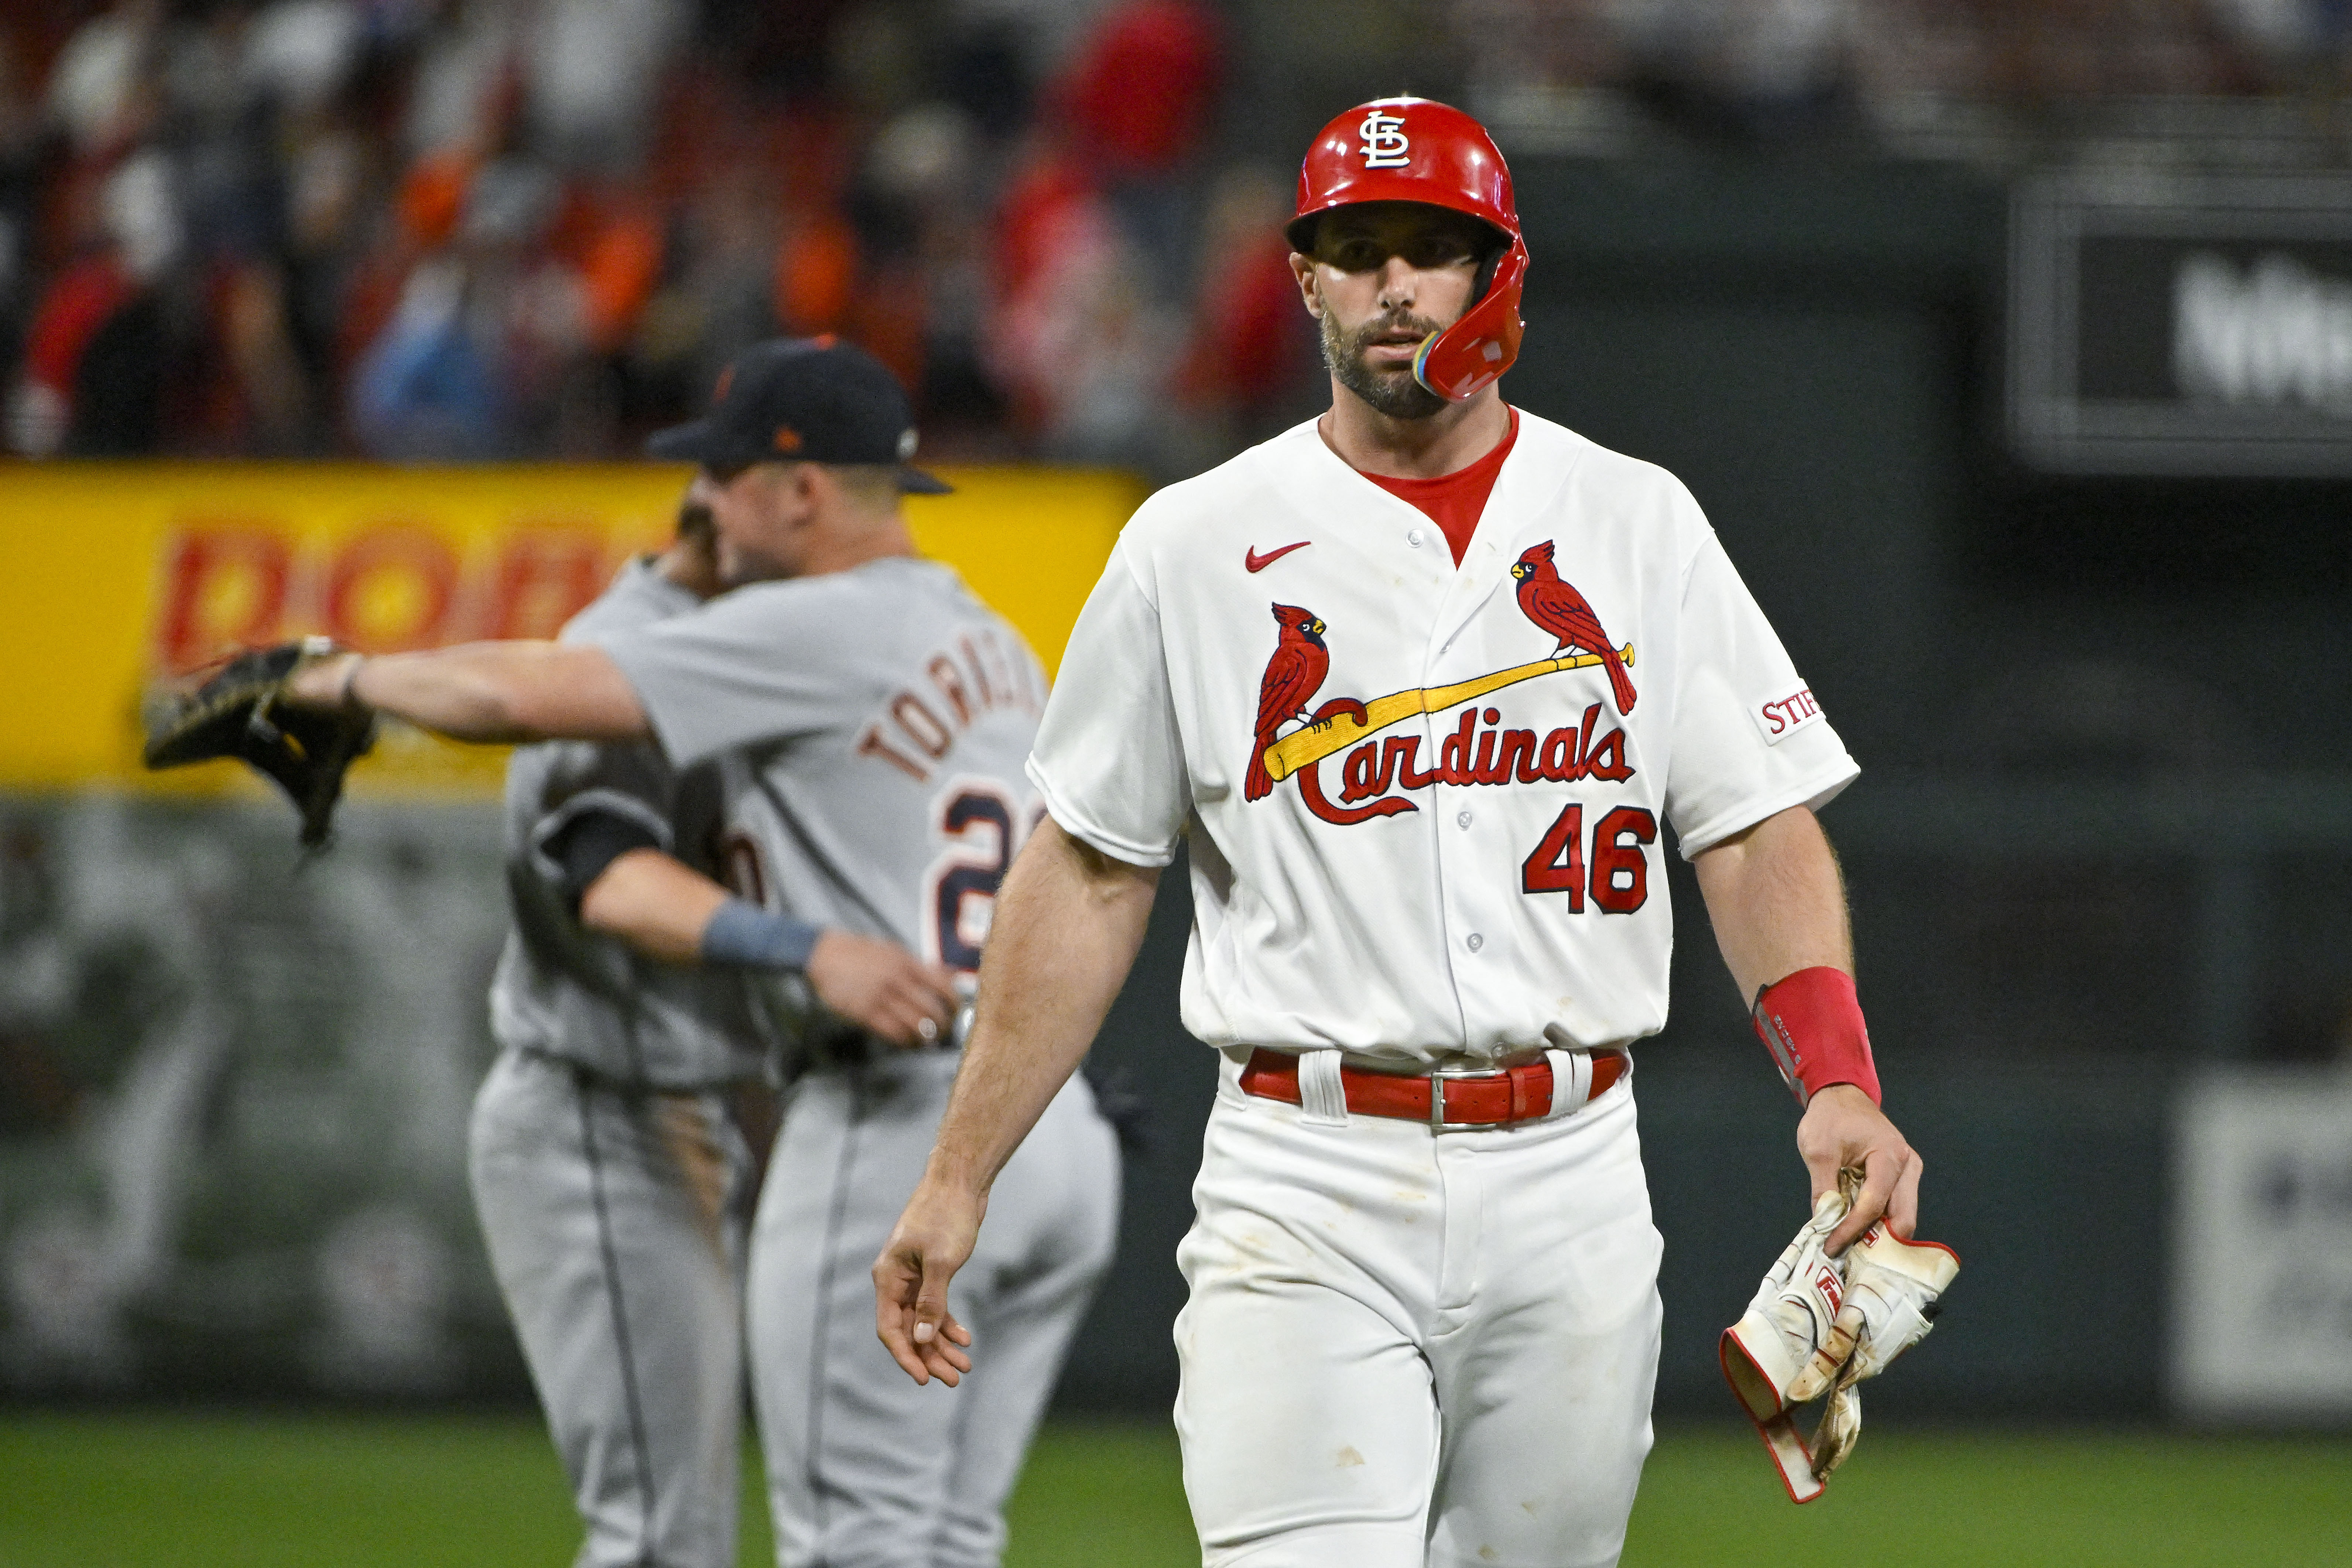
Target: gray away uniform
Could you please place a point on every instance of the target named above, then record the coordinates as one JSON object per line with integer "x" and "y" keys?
{"x": 610, "y": 1181}
{"x": 873, "y": 725}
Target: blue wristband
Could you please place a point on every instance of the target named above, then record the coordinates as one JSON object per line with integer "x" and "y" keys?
{"x": 750, "y": 937}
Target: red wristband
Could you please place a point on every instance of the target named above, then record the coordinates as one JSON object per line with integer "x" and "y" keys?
{"x": 1811, "y": 1022}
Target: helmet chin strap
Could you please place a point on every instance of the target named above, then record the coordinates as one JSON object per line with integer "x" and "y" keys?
{"x": 1467, "y": 357}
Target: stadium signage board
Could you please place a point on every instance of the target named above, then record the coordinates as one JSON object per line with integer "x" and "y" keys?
{"x": 2182, "y": 325}
{"x": 2261, "y": 1255}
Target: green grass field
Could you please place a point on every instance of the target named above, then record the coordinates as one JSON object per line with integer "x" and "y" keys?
{"x": 325, "y": 1491}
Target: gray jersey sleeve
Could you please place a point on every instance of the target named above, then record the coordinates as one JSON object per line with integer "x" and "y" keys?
{"x": 765, "y": 663}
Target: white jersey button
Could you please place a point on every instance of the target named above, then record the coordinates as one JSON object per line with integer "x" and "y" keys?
{"x": 1475, "y": 942}
{"x": 1463, "y": 820}
{"x": 1413, "y": 537}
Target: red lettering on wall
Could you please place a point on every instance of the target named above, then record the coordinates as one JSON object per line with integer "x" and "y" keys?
{"x": 542, "y": 581}
{"x": 390, "y": 590}
{"x": 224, "y": 589}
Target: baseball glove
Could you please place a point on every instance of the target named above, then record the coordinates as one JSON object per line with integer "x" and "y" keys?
{"x": 1818, "y": 1325}
{"x": 237, "y": 713}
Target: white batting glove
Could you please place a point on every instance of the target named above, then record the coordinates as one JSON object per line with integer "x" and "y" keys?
{"x": 1892, "y": 1291}
{"x": 1818, "y": 1325}
{"x": 1890, "y": 1301}
{"x": 1839, "y": 1429}
{"x": 1781, "y": 1336}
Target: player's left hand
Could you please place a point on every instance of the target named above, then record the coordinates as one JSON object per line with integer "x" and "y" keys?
{"x": 249, "y": 710}
{"x": 1841, "y": 1128}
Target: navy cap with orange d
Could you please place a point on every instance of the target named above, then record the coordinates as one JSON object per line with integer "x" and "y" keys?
{"x": 803, "y": 400}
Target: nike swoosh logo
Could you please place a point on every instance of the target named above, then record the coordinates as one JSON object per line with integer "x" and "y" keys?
{"x": 1257, "y": 562}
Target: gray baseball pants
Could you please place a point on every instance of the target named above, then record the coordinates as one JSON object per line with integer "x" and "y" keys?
{"x": 864, "y": 1469}
{"x": 615, "y": 1226}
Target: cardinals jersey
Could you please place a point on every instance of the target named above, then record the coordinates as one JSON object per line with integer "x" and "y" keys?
{"x": 1469, "y": 770}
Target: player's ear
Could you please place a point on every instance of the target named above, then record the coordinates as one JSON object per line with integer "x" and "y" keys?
{"x": 1302, "y": 267}
{"x": 805, "y": 486}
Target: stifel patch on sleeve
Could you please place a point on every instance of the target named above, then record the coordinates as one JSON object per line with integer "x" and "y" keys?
{"x": 1783, "y": 716}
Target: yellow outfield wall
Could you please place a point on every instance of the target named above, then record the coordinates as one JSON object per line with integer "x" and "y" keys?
{"x": 117, "y": 577}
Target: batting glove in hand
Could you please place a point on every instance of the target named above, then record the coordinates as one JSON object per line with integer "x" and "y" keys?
{"x": 1818, "y": 1325}
{"x": 1893, "y": 1291}
{"x": 237, "y": 713}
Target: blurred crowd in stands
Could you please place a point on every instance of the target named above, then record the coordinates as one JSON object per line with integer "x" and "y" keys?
{"x": 2018, "y": 73}
{"x": 463, "y": 229}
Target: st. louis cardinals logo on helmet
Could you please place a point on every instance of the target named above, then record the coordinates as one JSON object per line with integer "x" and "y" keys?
{"x": 1483, "y": 748}
{"x": 1416, "y": 149}
{"x": 1385, "y": 146}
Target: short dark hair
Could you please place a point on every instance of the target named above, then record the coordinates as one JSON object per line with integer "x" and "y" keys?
{"x": 874, "y": 486}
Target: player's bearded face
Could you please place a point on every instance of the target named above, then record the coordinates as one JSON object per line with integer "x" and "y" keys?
{"x": 1389, "y": 389}
{"x": 1410, "y": 269}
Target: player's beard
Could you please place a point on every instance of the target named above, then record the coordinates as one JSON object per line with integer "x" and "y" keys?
{"x": 1390, "y": 392}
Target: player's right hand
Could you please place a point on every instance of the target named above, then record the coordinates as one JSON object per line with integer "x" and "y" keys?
{"x": 932, "y": 1239}
{"x": 880, "y": 986}
{"x": 1842, "y": 1129}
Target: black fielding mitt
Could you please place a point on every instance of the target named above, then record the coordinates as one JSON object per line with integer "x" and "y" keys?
{"x": 236, "y": 713}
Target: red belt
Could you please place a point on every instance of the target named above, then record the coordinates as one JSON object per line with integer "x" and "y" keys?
{"x": 1493, "y": 1098}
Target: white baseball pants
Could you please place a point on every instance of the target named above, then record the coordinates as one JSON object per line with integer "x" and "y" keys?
{"x": 1405, "y": 1348}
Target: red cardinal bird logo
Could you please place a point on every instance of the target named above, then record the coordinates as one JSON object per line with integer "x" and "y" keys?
{"x": 1293, "y": 676}
{"x": 1553, "y": 604}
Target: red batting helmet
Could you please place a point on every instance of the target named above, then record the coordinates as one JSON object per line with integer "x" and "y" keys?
{"x": 1414, "y": 149}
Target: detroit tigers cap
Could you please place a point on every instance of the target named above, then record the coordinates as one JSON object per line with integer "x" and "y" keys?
{"x": 803, "y": 400}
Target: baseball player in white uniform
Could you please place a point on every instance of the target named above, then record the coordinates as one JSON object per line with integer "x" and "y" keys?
{"x": 1418, "y": 683}
{"x": 868, "y": 719}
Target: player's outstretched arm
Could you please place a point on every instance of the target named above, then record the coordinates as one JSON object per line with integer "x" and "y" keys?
{"x": 1067, "y": 924}
{"x": 664, "y": 909}
{"x": 487, "y": 691}
{"x": 1778, "y": 906}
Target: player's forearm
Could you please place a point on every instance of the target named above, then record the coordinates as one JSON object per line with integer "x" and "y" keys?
{"x": 1068, "y": 921}
{"x": 1776, "y": 901}
{"x": 489, "y": 691}
{"x": 654, "y": 904}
